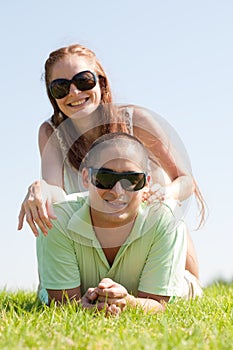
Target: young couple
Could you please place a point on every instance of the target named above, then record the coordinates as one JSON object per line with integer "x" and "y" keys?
{"x": 79, "y": 91}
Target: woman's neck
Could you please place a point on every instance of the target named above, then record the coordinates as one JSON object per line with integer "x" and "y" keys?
{"x": 88, "y": 125}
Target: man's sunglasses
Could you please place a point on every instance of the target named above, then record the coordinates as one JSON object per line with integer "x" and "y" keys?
{"x": 83, "y": 81}
{"x": 106, "y": 179}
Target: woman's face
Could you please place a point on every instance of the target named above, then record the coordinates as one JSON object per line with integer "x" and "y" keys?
{"x": 77, "y": 104}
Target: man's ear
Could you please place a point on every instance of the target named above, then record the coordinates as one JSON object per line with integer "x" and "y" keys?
{"x": 147, "y": 185}
{"x": 148, "y": 182}
{"x": 85, "y": 177}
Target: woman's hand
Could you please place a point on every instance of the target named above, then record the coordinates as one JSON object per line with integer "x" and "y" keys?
{"x": 156, "y": 193}
{"x": 160, "y": 193}
{"x": 37, "y": 208}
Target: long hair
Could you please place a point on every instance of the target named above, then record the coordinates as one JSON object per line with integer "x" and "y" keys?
{"x": 111, "y": 117}
{"x": 79, "y": 145}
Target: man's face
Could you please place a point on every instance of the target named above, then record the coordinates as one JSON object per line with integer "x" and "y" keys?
{"x": 116, "y": 206}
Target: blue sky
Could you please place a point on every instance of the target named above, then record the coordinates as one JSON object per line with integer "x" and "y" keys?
{"x": 173, "y": 57}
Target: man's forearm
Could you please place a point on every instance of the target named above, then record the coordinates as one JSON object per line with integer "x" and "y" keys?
{"x": 149, "y": 305}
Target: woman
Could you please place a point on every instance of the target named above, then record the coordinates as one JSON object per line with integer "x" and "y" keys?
{"x": 79, "y": 91}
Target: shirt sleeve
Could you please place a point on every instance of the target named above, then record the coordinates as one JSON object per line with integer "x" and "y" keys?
{"x": 163, "y": 272}
{"x": 57, "y": 263}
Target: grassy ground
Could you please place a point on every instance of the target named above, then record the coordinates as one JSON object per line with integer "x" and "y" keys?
{"x": 206, "y": 323}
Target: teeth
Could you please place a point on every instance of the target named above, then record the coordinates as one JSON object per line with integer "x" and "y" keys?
{"x": 77, "y": 103}
{"x": 117, "y": 204}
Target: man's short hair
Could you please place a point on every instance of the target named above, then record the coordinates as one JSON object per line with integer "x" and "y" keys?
{"x": 130, "y": 148}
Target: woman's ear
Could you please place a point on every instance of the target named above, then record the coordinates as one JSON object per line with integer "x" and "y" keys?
{"x": 85, "y": 177}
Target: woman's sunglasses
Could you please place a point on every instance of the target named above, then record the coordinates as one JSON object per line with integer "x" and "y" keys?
{"x": 83, "y": 81}
{"x": 106, "y": 179}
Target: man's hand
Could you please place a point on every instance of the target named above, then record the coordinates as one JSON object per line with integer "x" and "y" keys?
{"x": 108, "y": 295}
{"x": 112, "y": 294}
{"x": 89, "y": 299}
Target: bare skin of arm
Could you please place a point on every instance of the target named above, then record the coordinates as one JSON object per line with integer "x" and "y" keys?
{"x": 191, "y": 258}
{"x": 114, "y": 298}
{"x": 62, "y": 296}
{"x": 111, "y": 297}
{"x": 37, "y": 205}
{"x": 163, "y": 153}
{"x": 51, "y": 156}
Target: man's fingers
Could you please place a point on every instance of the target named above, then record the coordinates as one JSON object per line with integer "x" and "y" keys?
{"x": 106, "y": 283}
{"x": 114, "y": 310}
{"x": 114, "y": 292}
{"x": 120, "y": 302}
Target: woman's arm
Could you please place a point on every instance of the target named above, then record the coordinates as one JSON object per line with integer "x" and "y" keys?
{"x": 162, "y": 152}
{"x": 51, "y": 156}
{"x": 37, "y": 205}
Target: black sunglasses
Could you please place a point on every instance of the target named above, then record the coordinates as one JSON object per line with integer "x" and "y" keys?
{"x": 83, "y": 81}
{"x": 106, "y": 179}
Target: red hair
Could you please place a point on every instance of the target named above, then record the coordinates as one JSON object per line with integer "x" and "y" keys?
{"x": 110, "y": 120}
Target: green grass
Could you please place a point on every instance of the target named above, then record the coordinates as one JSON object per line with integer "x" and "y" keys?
{"x": 205, "y": 323}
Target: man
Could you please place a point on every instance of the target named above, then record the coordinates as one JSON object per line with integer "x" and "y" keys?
{"x": 110, "y": 250}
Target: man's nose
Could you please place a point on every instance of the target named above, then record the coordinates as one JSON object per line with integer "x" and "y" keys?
{"x": 118, "y": 189}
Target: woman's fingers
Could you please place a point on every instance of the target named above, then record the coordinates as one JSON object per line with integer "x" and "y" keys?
{"x": 50, "y": 211}
{"x": 36, "y": 216}
{"x": 39, "y": 217}
{"x": 157, "y": 192}
{"x": 31, "y": 223}
{"x": 37, "y": 208}
{"x": 21, "y": 217}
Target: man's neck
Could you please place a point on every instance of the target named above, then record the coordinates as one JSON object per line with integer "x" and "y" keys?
{"x": 110, "y": 234}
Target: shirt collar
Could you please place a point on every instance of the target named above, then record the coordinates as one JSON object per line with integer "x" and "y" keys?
{"x": 81, "y": 223}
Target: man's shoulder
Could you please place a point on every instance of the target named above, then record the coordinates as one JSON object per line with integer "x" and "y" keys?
{"x": 162, "y": 216}
{"x": 65, "y": 209}
{"x": 158, "y": 209}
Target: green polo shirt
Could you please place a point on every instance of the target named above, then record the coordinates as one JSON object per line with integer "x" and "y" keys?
{"x": 151, "y": 260}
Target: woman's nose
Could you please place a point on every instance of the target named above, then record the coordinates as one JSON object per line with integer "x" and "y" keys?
{"x": 74, "y": 90}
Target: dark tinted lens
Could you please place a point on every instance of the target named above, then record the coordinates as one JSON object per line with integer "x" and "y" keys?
{"x": 59, "y": 88}
{"x": 134, "y": 182}
{"x": 102, "y": 180}
{"x": 84, "y": 80}
{"x": 106, "y": 179}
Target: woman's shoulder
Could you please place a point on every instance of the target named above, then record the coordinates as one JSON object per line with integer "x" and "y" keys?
{"x": 46, "y": 128}
{"x": 138, "y": 114}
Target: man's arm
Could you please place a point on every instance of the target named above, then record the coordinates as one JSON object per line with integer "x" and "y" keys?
{"x": 115, "y": 298}
{"x": 163, "y": 272}
{"x": 62, "y": 296}
{"x": 149, "y": 302}
{"x": 57, "y": 261}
